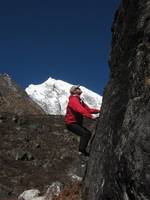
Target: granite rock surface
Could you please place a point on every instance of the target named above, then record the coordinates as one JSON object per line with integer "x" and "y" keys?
{"x": 119, "y": 165}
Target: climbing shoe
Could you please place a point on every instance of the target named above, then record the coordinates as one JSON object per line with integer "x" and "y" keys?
{"x": 84, "y": 153}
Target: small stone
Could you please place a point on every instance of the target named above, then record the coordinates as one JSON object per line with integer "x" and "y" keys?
{"x": 54, "y": 189}
{"x": 21, "y": 155}
{"x": 29, "y": 194}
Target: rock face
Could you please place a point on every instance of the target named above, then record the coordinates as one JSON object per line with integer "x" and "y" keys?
{"x": 119, "y": 165}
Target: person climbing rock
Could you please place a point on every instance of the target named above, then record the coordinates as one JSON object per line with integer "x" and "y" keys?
{"x": 76, "y": 110}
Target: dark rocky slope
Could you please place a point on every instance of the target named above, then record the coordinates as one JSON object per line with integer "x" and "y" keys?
{"x": 35, "y": 149}
{"x": 119, "y": 165}
{"x": 14, "y": 100}
{"x": 34, "y": 152}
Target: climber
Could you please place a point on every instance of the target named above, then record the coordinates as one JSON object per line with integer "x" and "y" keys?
{"x": 76, "y": 110}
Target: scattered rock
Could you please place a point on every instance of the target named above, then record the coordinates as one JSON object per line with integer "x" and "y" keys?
{"x": 29, "y": 194}
{"x": 75, "y": 177}
{"x": 21, "y": 155}
{"x": 54, "y": 190}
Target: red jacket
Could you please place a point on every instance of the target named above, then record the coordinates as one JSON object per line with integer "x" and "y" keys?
{"x": 76, "y": 110}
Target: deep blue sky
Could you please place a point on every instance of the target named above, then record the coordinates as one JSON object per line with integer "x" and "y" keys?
{"x": 63, "y": 39}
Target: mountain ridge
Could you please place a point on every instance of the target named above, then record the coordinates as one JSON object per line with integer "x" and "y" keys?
{"x": 14, "y": 100}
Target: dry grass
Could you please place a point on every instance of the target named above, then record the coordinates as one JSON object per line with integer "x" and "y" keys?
{"x": 70, "y": 192}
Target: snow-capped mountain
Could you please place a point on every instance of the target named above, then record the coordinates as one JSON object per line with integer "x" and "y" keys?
{"x": 52, "y": 96}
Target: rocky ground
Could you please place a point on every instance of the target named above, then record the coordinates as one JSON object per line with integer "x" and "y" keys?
{"x": 36, "y": 150}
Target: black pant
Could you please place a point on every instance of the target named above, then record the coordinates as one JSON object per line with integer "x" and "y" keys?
{"x": 84, "y": 134}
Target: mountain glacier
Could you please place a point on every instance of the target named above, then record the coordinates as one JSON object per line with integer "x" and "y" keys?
{"x": 52, "y": 95}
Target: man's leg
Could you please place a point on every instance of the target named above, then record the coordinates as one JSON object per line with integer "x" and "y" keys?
{"x": 84, "y": 134}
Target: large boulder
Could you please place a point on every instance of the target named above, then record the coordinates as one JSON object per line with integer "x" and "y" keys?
{"x": 119, "y": 165}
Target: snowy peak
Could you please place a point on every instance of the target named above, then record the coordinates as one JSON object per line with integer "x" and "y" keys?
{"x": 52, "y": 95}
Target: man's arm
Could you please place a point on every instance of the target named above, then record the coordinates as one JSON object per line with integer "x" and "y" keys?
{"x": 91, "y": 110}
